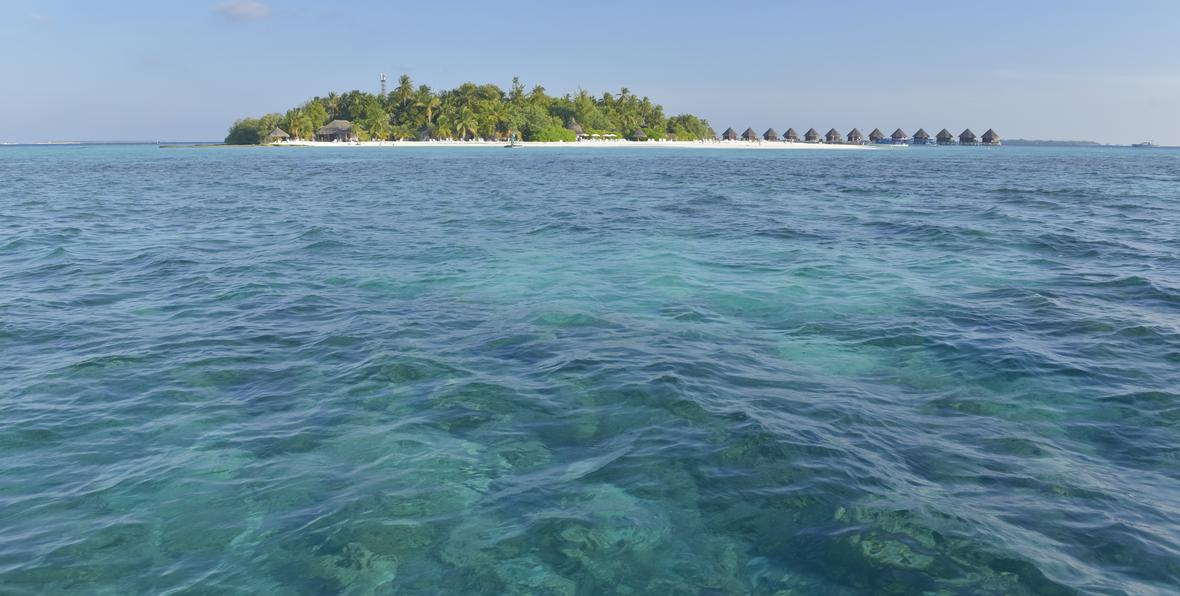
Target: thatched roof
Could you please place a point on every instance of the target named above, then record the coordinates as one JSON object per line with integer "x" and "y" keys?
{"x": 335, "y": 126}
{"x": 575, "y": 127}
{"x": 278, "y": 133}
{"x": 639, "y": 134}
{"x": 876, "y": 134}
{"x": 944, "y": 135}
{"x": 990, "y": 136}
{"x": 811, "y": 134}
{"x": 967, "y": 135}
{"x": 729, "y": 135}
{"x": 750, "y": 135}
{"x": 712, "y": 133}
{"x": 833, "y": 133}
{"x": 791, "y": 134}
{"x": 854, "y": 135}
{"x": 770, "y": 134}
{"x": 921, "y": 134}
{"x": 899, "y": 134}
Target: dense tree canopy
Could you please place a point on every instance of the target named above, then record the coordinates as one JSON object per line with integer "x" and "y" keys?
{"x": 475, "y": 111}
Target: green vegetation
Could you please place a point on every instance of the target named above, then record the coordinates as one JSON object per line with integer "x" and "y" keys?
{"x": 474, "y": 111}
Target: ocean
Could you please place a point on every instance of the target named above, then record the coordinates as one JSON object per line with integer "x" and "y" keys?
{"x": 575, "y": 372}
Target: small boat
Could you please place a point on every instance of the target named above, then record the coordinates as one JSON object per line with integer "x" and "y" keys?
{"x": 512, "y": 142}
{"x": 1145, "y": 145}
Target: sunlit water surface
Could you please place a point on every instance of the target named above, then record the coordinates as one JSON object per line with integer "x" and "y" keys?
{"x": 417, "y": 371}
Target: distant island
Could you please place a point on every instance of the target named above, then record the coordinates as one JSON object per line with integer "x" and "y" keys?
{"x": 470, "y": 111}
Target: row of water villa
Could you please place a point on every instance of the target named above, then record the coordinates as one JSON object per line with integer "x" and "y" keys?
{"x": 854, "y": 137}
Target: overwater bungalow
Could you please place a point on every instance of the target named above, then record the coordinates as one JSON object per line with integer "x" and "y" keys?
{"x": 277, "y": 135}
{"x": 770, "y": 135}
{"x": 834, "y": 137}
{"x": 899, "y": 137}
{"x": 638, "y": 135}
{"x": 876, "y": 136}
{"x": 729, "y": 135}
{"x": 336, "y": 131}
{"x": 990, "y": 137}
{"x": 968, "y": 138}
{"x": 576, "y": 128}
{"x": 944, "y": 137}
{"x": 855, "y": 138}
{"x": 749, "y": 135}
{"x": 921, "y": 137}
{"x": 791, "y": 136}
{"x": 811, "y": 136}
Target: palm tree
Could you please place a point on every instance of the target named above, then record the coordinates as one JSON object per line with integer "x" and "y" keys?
{"x": 427, "y": 101}
{"x": 404, "y": 91}
{"x": 466, "y": 122}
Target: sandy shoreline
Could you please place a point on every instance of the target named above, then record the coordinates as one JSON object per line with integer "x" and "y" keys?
{"x": 765, "y": 145}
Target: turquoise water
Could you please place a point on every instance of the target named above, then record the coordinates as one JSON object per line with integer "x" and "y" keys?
{"x": 419, "y": 371}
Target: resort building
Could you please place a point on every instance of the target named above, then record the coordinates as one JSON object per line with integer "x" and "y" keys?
{"x": 991, "y": 138}
{"x": 876, "y": 136}
{"x": 770, "y": 135}
{"x": 729, "y": 135}
{"x": 576, "y": 128}
{"x": 921, "y": 137}
{"x": 749, "y": 135}
{"x": 944, "y": 137}
{"x": 277, "y": 135}
{"x": 834, "y": 137}
{"x": 336, "y": 131}
{"x": 855, "y": 138}
{"x": 968, "y": 138}
{"x": 791, "y": 136}
{"x": 638, "y": 135}
{"x": 811, "y": 136}
{"x": 899, "y": 137}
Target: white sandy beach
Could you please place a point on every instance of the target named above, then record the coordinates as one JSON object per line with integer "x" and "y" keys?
{"x": 612, "y": 144}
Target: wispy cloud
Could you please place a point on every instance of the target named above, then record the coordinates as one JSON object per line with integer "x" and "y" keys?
{"x": 241, "y": 11}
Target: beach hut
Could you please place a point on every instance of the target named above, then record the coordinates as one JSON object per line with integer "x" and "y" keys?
{"x": 899, "y": 137}
{"x": 855, "y": 137}
{"x": 770, "y": 135}
{"x": 711, "y": 135}
{"x": 638, "y": 135}
{"x": 811, "y": 136}
{"x": 749, "y": 135}
{"x": 336, "y": 131}
{"x": 944, "y": 137}
{"x": 573, "y": 125}
{"x": 921, "y": 137}
{"x": 834, "y": 137}
{"x": 791, "y": 136}
{"x": 876, "y": 136}
{"x": 277, "y": 135}
{"x": 967, "y": 138}
{"x": 990, "y": 137}
{"x": 729, "y": 135}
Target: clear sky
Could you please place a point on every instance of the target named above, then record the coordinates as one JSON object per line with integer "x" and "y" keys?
{"x": 1104, "y": 70}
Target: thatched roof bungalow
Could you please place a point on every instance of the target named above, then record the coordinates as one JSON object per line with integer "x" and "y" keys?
{"x": 855, "y": 137}
{"x": 834, "y": 137}
{"x": 968, "y": 138}
{"x": 990, "y": 137}
{"x": 791, "y": 136}
{"x": 729, "y": 135}
{"x": 876, "y": 136}
{"x": 811, "y": 136}
{"x": 638, "y": 135}
{"x": 944, "y": 137}
{"x": 770, "y": 135}
{"x": 276, "y": 135}
{"x": 749, "y": 135}
{"x": 336, "y": 131}
{"x": 899, "y": 136}
{"x": 921, "y": 137}
{"x": 576, "y": 128}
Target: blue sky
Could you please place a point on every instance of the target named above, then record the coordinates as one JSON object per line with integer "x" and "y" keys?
{"x": 184, "y": 69}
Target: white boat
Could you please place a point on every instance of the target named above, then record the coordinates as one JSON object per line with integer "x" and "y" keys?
{"x": 1145, "y": 145}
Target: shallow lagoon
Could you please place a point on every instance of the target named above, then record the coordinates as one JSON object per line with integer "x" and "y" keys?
{"x": 558, "y": 372}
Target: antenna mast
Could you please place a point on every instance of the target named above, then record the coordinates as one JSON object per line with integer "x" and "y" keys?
{"x": 384, "y": 78}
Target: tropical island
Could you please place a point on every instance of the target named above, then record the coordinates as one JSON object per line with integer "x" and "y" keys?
{"x": 467, "y": 112}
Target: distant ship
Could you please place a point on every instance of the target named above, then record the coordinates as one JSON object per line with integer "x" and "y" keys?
{"x": 1145, "y": 144}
